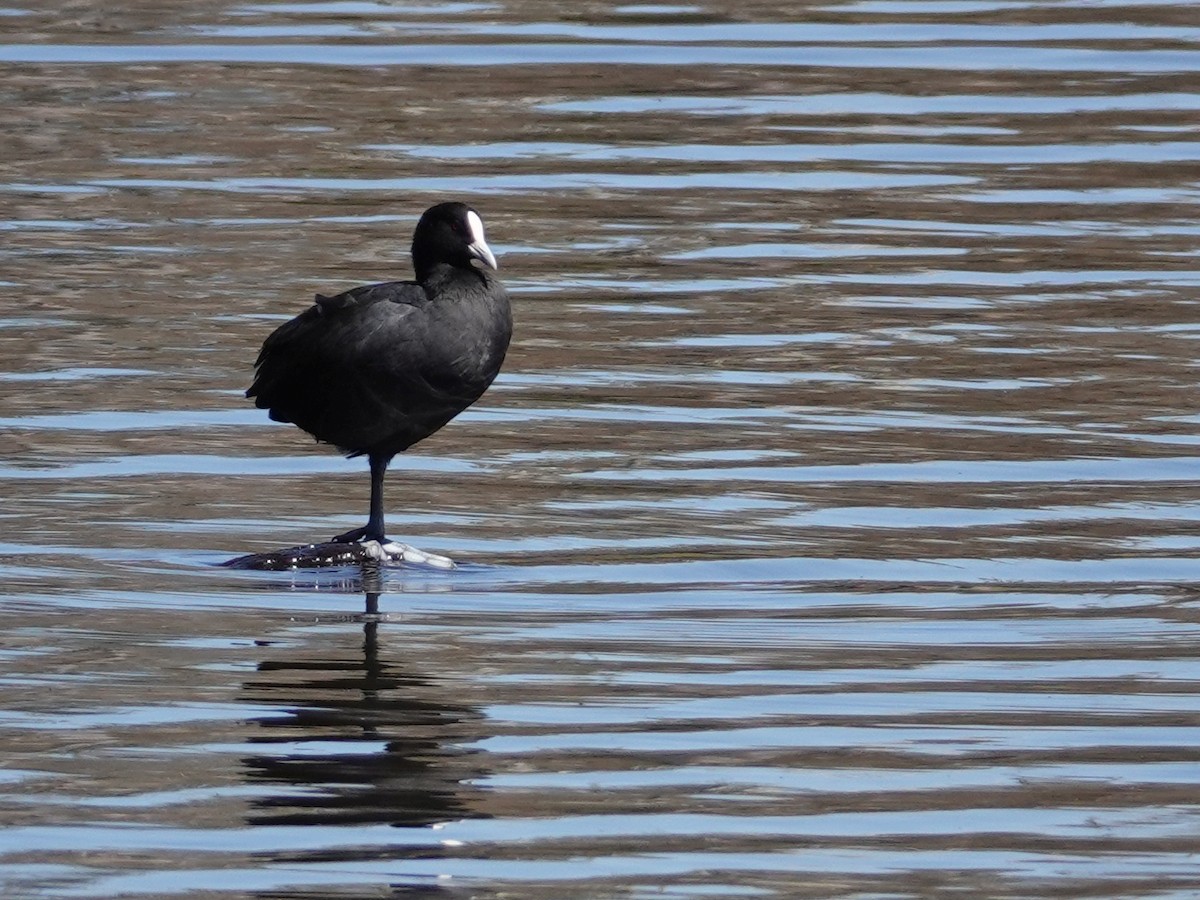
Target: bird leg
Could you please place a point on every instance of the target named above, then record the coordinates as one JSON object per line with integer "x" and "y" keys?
{"x": 373, "y": 530}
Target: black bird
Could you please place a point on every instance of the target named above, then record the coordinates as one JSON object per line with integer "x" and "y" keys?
{"x": 380, "y": 367}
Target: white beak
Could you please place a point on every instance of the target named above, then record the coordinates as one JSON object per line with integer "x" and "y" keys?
{"x": 480, "y": 250}
{"x": 478, "y": 246}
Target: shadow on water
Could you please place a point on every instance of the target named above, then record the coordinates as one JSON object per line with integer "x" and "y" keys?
{"x": 363, "y": 741}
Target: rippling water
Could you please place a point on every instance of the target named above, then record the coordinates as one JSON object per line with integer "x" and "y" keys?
{"x": 831, "y": 532}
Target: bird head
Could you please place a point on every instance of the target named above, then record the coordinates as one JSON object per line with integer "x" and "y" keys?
{"x": 450, "y": 233}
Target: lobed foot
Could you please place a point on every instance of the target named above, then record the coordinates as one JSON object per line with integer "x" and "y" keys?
{"x": 380, "y": 547}
{"x": 413, "y": 556}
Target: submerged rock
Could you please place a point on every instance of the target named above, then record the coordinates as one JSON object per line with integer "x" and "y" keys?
{"x": 315, "y": 556}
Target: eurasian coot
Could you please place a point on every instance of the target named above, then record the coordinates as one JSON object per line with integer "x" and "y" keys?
{"x": 380, "y": 367}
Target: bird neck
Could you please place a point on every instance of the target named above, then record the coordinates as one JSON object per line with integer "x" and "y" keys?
{"x": 437, "y": 276}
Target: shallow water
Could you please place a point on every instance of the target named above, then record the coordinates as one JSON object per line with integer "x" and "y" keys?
{"x": 831, "y": 531}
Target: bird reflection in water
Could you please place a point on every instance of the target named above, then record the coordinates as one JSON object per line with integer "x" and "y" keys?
{"x": 363, "y": 740}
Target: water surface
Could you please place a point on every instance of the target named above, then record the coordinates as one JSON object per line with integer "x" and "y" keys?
{"x": 831, "y": 531}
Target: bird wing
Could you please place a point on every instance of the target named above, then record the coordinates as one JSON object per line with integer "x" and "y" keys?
{"x": 358, "y": 369}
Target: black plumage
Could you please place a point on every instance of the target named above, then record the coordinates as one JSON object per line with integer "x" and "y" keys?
{"x": 378, "y": 368}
